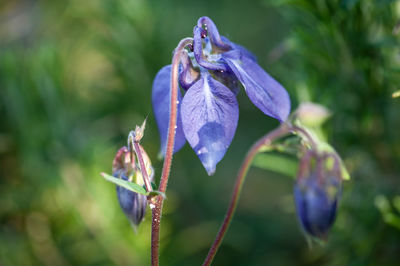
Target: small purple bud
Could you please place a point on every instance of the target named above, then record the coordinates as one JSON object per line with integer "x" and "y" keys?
{"x": 316, "y": 194}
{"x": 132, "y": 204}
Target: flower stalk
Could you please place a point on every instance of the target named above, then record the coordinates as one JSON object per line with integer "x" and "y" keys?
{"x": 267, "y": 140}
{"x": 284, "y": 129}
{"x": 158, "y": 201}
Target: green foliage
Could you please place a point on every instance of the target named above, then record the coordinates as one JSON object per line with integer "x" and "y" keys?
{"x": 389, "y": 215}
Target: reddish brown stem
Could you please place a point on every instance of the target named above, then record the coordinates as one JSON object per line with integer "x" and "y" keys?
{"x": 143, "y": 169}
{"x": 158, "y": 204}
{"x": 266, "y": 140}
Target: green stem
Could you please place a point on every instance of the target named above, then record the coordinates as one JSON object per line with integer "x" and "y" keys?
{"x": 284, "y": 129}
{"x": 158, "y": 203}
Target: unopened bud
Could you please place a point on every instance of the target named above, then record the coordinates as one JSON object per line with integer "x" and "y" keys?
{"x": 124, "y": 166}
{"x": 316, "y": 193}
{"x": 312, "y": 114}
{"x": 137, "y": 134}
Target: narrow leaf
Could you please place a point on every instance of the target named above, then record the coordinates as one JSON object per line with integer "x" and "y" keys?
{"x": 276, "y": 163}
{"x": 125, "y": 184}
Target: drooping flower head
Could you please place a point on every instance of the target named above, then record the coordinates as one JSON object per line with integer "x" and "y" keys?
{"x": 125, "y": 167}
{"x": 316, "y": 192}
{"x": 210, "y": 76}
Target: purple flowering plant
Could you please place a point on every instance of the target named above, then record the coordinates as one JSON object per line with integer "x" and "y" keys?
{"x": 211, "y": 72}
{"x": 194, "y": 100}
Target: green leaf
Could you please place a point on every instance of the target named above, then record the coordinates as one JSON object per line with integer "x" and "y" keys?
{"x": 277, "y": 163}
{"x": 125, "y": 184}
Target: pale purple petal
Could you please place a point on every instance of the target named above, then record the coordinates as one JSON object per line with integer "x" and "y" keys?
{"x": 161, "y": 107}
{"x": 210, "y": 114}
{"x": 264, "y": 91}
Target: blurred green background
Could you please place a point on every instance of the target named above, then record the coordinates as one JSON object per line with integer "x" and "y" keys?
{"x": 76, "y": 76}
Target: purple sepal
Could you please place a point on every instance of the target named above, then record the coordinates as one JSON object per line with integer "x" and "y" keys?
{"x": 264, "y": 91}
{"x": 161, "y": 105}
{"x": 210, "y": 114}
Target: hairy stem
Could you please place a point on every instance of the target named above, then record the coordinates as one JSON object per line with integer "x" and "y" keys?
{"x": 284, "y": 129}
{"x": 158, "y": 204}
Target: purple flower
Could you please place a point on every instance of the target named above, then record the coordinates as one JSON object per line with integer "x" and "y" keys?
{"x": 316, "y": 195}
{"x": 210, "y": 75}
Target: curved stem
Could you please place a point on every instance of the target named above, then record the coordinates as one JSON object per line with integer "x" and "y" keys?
{"x": 284, "y": 129}
{"x": 157, "y": 209}
{"x": 306, "y": 134}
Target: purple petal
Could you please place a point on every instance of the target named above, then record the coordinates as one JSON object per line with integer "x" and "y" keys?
{"x": 198, "y": 34}
{"x": 264, "y": 91}
{"x": 210, "y": 114}
{"x": 212, "y": 31}
{"x": 161, "y": 106}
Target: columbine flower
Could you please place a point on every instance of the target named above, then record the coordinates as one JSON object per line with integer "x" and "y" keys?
{"x": 210, "y": 75}
{"x": 124, "y": 167}
{"x": 316, "y": 193}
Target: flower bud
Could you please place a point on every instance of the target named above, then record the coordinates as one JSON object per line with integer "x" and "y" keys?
{"x": 311, "y": 114}
{"x": 124, "y": 167}
{"x": 316, "y": 193}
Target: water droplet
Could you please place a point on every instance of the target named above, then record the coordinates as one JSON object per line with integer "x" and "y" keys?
{"x": 176, "y": 127}
{"x": 199, "y": 152}
{"x": 177, "y": 102}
